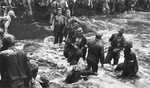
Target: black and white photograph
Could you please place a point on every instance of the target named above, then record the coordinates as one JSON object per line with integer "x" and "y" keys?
{"x": 74, "y": 43}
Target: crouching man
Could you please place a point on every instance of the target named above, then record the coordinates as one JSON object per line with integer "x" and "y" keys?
{"x": 78, "y": 73}
{"x": 130, "y": 64}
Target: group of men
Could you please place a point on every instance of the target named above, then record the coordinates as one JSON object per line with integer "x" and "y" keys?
{"x": 76, "y": 46}
{"x": 95, "y": 54}
{"x": 59, "y": 21}
{"x": 16, "y": 71}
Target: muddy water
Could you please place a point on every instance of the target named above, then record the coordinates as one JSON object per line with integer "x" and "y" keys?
{"x": 52, "y": 62}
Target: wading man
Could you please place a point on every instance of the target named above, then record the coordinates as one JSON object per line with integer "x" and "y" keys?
{"x": 116, "y": 45}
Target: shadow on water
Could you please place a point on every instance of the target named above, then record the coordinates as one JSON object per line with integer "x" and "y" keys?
{"x": 29, "y": 30}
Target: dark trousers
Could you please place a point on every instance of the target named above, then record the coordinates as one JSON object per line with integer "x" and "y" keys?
{"x": 112, "y": 55}
{"x": 34, "y": 73}
{"x": 58, "y": 34}
{"x": 92, "y": 63}
{"x": 129, "y": 69}
{"x": 84, "y": 52}
{"x": 74, "y": 56}
{"x": 127, "y": 6}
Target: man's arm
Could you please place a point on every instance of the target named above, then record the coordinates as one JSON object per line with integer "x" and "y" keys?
{"x": 134, "y": 58}
{"x": 101, "y": 57}
{"x": 27, "y": 66}
{"x": 123, "y": 41}
{"x": 84, "y": 41}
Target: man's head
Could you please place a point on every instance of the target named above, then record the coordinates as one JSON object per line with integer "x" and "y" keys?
{"x": 8, "y": 40}
{"x": 98, "y": 36}
{"x": 68, "y": 12}
{"x": 80, "y": 31}
{"x": 121, "y": 30}
{"x": 128, "y": 44}
{"x": 75, "y": 24}
{"x": 59, "y": 11}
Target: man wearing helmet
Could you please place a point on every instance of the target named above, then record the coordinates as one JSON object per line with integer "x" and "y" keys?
{"x": 14, "y": 66}
{"x": 59, "y": 23}
{"x": 130, "y": 64}
{"x": 95, "y": 53}
{"x": 116, "y": 45}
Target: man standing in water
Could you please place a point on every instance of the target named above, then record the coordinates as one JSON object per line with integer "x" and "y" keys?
{"x": 95, "y": 53}
{"x": 59, "y": 23}
{"x": 117, "y": 41}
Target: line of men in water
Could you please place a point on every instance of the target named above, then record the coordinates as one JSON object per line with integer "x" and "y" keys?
{"x": 95, "y": 55}
{"x": 76, "y": 46}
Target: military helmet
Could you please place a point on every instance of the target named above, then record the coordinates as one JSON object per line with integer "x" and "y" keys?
{"x": 128, "y": 44}
{"x": 9, "y": 39}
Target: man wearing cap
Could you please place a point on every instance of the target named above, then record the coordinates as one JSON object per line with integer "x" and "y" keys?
{"x": 116, "y": 45}
{"x": 14, "y": 66}
{"x": 130, "y": 64}
{"x": 95, "y": 53}
{"x": 59, "y": 23}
